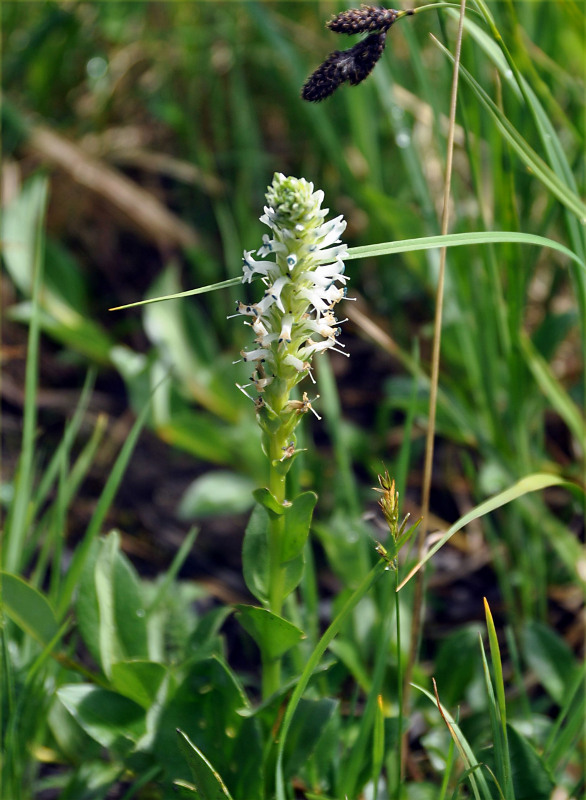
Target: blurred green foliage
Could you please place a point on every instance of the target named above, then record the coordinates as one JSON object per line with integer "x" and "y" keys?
{"x": 194, "y": 105}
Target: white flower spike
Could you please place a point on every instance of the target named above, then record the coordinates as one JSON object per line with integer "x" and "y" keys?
{"x": 301, "y": 266}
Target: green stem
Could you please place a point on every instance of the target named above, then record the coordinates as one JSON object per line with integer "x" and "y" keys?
{"x": 399, "y": 685}
{"x": 271, "y": 667}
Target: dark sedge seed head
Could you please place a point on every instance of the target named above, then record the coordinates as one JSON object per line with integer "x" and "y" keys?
{"x": 352, "y": 65}
{"x": 363, "y": 19}
{"x": 325, "y": 80}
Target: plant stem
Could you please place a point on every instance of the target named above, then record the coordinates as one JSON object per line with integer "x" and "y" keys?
{"x": 433, "y": 391}
{"x": 399, "y": 685}
{"x": 271, "y": 671}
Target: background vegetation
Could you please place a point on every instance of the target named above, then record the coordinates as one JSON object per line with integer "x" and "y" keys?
{"x": 138, "y": 140}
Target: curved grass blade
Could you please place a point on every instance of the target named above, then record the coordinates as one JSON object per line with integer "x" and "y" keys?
{"x": 477, "y": 779}
{"x": 552, "y": 389}
{"x": 459, "y": 239}
{"x": 525, "y": 152}
{"x": 391, "y": 248}
{"x": 531, "y": 483}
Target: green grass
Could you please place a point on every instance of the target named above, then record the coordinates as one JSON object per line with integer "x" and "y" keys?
{"x": 207, "y": 94}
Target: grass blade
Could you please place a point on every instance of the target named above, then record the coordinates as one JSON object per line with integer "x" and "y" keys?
{"x": 312, "y": 663}
{"x": 525, "y": 152}
{"x": 531, "y": 483}
{"x": 16, "y": 528}
{"x": 106, "y": 498}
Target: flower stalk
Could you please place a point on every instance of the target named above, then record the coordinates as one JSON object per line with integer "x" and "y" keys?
{"x": 301, "y": 266}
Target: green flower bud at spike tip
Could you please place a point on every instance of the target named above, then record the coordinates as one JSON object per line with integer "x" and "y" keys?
{"x": 301, "y": 265}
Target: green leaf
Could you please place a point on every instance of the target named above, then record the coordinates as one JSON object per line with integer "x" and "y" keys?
{"x": 525, "y": 152}
{"x": 452, "y": 672}
{"x": 112, "y": 720}
{"x": 309, "y": 723}
{"x": 458, "y": 240}
{"x": 266, "y": 499}
{"x": 531, "y": 779}
{"x": 28, "y": 608}
{"x": 476, "y": 776}
{"x": 531, "y": 483}
{"x": 297, "y": 522}
{"x": 86, "y": 605}
{"x": 110, "y": 606}
{"x": 255, "y": 554}
{"x": 129, "y": 607}
{"x": 255, "y": 549}
{"x": 208, "y": 784}
{"x": 292, "y": 574}
{"x": 549, "y": 657}
{"x": 212, "y": 287}
{"x": 273, "y": 634}
{"x": 72, "y": 740}
{"x": 81, "y": 554}
{"x": 552, "y": 388}
{"x": 217, "y": 493}
{"x": 138, "y": 680}
{"x": 206, "y": 706}
{"x": 312, "y": 663}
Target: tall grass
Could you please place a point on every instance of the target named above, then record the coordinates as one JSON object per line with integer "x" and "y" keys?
{"x": 208, "y": 96}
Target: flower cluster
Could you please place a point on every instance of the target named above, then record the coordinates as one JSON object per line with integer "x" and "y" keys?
{"x": 302, "y": 268}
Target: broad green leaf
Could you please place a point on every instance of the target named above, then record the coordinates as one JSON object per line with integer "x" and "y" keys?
{"x": 129, "y": 607}
{"x": 531, "y": 778}
{"x": 255, "y": 554}
{"x": 208, "y": 783}
{"x": 112, "y": 720}
{"x": 86, "y": 604}
{"x": 273, "y": 634}
{"x": 201, "y": 434}
{"x": 72, "y": 740}
{"x": 205, "y": 706}
{"x": 549, "y": 657}
{"x": 293, "y": 572}
{"x": 28, "y": 608}
{"x": 309, "y": 723}
{"x": 217, "y": 493}
{"x": 297, "y": 523}
{"x": 78, "y": 333}
{"x": 138, "y": 680}
{"x": 114, "y": 588}
{"x": 452, "y": 671}
{"x": 111, "y": 609}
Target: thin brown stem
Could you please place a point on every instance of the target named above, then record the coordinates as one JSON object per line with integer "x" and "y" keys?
{"x": 433, "y": 390}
